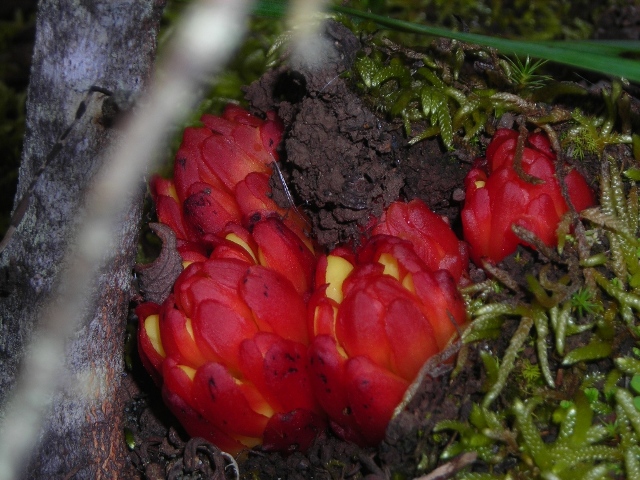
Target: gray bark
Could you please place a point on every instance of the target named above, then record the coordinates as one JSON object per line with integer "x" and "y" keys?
{"x": 79, "y": 43}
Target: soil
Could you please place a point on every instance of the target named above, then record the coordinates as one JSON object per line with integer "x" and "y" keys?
{"x": 341, "y": 164}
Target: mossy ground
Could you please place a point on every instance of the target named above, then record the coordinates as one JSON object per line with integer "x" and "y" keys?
{"x": 549, "y": 373}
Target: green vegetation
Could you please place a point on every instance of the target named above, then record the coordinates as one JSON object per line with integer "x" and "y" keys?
{"x": 583, "y": 421}
{"x": 562, "y": 394}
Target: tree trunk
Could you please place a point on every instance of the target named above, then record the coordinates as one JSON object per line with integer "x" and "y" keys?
{"x": 110, "y": 44}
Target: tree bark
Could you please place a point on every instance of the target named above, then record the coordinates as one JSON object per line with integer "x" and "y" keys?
{"x": 111, "y": 44}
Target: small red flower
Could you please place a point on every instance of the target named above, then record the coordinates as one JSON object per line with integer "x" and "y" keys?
{"x": 229, "y": 346}
{"x": 375, "y": 321}
{"x": 497, "y": 198}
{"x": 431, "y": 237}
{"x": 220, "y": 176}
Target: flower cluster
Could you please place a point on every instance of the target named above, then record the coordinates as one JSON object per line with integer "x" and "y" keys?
{"x": 376, "y": 318}
{"x": 261, "y": 339}
{"x": 221, "y": 177}
{"x": 497, "y": 196}
{"x": 229, "y": 345}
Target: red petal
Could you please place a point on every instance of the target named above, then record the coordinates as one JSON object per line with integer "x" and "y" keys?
{"x": 292, "y": 431}
{"x": 252, "y": 196}
{"x": 177, "y": 381}
{"x": 271, "y": 133}
{"x": 189, "y": 165}
{"x": 476, "y": 216}
{"x": 177, "y": 340}
{"x": 411, "y": 338}
{"x": 216, "y": 279}
{"x": 192, "y": 252}
{"x": 373, "y": 394}
{"x": 329, "y": 383}
{"x": 431, "y": 237}
{"x": 275, "y": 304}
{"x": 443, "y": 303}
{"x": 540, "y": 142}
{"x": 208, "y": 210}
{"x": 220, "y": 330}
{"x": 286, "y": 376}
{"x": 230, "y": 162}
{"x": 541, "y": 217}
{"x": 579, "y": 192}
{"x": 151, "y": 358}
{"x": 222, "y": 402}
{"x": 170, "y": 213}
{"x": 501, "y": 149}
{"x": 322, "y": 315}
{"x": 198, "y": 426}
{"x": 508, "y": 200}
{"x": 282, "y": 250}
{"x": 237, "y": 114}
{"x": 219, "y": 125}
{"x": 401, "y": 250}
{"x": 360, "y": 328}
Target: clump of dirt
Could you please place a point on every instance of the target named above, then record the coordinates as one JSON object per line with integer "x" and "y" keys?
{"x": 343, "y": 164}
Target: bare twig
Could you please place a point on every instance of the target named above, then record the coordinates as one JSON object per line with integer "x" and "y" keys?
{"x": 448, "y": 470}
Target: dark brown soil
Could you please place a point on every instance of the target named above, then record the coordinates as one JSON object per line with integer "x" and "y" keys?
{"x": 341, "y": 162}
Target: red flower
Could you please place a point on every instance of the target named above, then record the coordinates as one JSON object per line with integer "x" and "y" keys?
{"x": 431, "y": 237}
{"x": 497, "y": 198}
{"x": 375, "y": 321}
{"x": 220, "y": 175}
{"x": 229, "y": 346}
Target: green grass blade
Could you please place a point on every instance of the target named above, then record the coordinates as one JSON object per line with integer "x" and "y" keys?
{"x": 605, "y": 57}
{"x": 271, "y": 8}
{"x": 590, "y": 55}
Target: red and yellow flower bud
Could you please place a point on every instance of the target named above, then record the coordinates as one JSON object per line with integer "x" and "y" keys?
{"x": 497, "y": 197}
{"x": 229, "y": 348}
{"x": 375, "y": 321}
{"x": 221, "y": 175}
{"x": 431, "y": 237}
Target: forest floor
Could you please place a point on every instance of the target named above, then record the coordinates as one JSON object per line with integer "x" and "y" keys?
{"x": 342, "y": 164}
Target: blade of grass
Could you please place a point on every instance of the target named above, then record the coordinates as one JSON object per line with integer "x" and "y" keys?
{"x": 590, "y": 55}
{"x": 605, "y": 57}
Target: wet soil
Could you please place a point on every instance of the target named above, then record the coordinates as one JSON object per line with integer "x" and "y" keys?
{"x": 342, "y": 163}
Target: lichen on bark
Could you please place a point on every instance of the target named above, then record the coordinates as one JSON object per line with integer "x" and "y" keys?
{"x": 78, "y": 44}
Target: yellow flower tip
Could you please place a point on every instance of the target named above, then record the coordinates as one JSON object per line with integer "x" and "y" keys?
{"x": 480, "y": 183}
{"x": 174, "y": 193}
{"x": 338, "y": 269}
{"x": 248, "y": 442}
{"x": 152, "y": 327}
{"x": 317, "y": 328}
{"x": 189, "y": 329}
{"x": 407, "y": 282}
{"x": 256, "y": 401}
{"x": 191, "y": 372}
{"x": 232, "y": 237}
{"x": 186, "y": 263}
{"x": 390, "y": 265}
